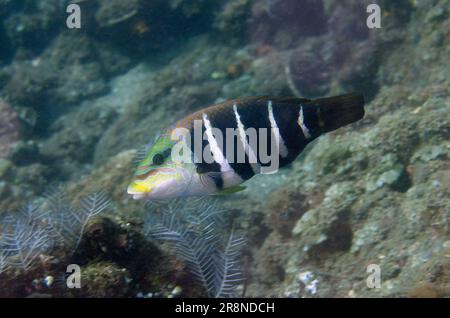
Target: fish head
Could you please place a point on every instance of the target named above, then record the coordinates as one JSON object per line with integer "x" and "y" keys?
{"x": 158, "y": 175}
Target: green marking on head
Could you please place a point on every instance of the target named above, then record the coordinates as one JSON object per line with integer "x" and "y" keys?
{"x": 157, "y": 155}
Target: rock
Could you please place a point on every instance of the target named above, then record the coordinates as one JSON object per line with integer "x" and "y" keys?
{"x": 104, "y": 279}
{"x": 231, "y": 19}
{"x": 390, "y": 172}
{"x": 25, "y": 152}
{"x": 9, "y": 129}
{"x": 114, "y": 12}
{"x": 5, "y": 168}
{"x": 284, "y": 208}
{"x": 431, "y": 152}
{"x": 35, "y": 27}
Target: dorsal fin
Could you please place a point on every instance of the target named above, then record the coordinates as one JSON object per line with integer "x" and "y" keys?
{"x": 291, "y": 99}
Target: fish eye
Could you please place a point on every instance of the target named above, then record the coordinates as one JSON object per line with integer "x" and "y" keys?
{"x": 158, "y": 159}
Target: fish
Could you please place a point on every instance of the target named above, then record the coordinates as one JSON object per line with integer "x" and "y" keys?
{"x": 214, "y": 150}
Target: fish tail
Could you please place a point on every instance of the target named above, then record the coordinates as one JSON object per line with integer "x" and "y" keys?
{"x": 338, "y": 111}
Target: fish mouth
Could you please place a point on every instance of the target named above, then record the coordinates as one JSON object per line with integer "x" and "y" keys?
{"x": 153, "y": 184}
{"x": 138, "y": 191}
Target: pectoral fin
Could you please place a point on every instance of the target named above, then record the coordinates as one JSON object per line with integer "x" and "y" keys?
{"x": 231, "y": 190}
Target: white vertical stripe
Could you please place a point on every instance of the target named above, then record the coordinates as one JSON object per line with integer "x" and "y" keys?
{"x": 279, "y": 139}
{"x": 215, "y": 149}
{"x": 301, "y": 123}
{"x": 242, "y": 135}
{"x": 229, "y": 176}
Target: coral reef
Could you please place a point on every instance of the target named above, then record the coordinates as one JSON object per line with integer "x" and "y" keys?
{"x": 39, "y": 229}
{"x": 77, "y": 103}
{"x": 9, "y": 129}
{"x": 323, "y": 47}
{"x": 230, "y": 20}
{"x": 193, "y": 228}
{"x": 44, "y": 236}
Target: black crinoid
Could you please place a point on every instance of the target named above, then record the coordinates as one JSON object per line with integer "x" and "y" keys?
{"x": 39, "y": 228}
{"x": 197, "y": 231}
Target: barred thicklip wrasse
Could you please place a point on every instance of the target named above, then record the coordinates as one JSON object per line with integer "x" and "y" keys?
{"x": 217, "y": 148}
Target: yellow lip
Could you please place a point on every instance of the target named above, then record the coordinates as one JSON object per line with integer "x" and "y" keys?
{"x": 143, "y": 186}
{"x": 137, "y": 187}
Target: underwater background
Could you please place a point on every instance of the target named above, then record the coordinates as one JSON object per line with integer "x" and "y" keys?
{"x": 76, "y": 104}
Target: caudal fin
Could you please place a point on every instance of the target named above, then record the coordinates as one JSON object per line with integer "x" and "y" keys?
{"x": 339, "y": 111}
